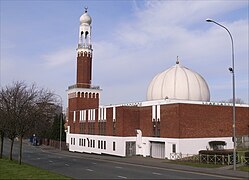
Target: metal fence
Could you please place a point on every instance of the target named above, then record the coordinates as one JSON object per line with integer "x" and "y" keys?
{"x": 209, "y": 159}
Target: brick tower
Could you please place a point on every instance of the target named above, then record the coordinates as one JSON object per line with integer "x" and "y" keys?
{"x": 82, "y": 95}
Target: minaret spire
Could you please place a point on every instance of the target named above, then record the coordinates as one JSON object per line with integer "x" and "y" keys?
{"x": 85, "y": 31}
{"x": 86, "y": 9}
{"x": 84, "y": 59}
{"x": 177, "y": 60}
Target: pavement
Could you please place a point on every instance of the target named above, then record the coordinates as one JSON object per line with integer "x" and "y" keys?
{"x": 148, "y": 161}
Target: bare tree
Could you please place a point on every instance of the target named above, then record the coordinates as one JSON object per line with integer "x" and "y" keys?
{"x": 24, "y": 108}
{"x": 2, "y": 126}
{"x": 8, "y": 106}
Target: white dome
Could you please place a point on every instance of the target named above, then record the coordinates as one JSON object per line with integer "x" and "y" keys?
{"x": 178, "y": 82}
{"x": 85, "y": 19}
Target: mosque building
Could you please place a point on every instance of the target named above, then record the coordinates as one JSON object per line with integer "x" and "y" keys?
{"x": 177, "y": 116}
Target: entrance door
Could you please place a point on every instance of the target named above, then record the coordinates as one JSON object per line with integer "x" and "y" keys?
{"x": 158, "y": 150}
{"x": 130, "y": 148}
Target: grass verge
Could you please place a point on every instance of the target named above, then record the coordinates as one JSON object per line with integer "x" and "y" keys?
{"x": 12, "y": 170}
{"x": 244, "y": 168}
{"x": 196, "y": 164}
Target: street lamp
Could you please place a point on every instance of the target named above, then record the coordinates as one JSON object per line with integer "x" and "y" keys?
{"x": 60, "y": 118}
{"x": 231, "y": 69}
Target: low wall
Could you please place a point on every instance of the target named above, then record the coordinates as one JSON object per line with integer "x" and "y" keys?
{"x": 55, "y": 144}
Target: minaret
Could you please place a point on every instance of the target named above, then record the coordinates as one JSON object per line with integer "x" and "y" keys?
{"x": 83, "y": 96}
{"x": 84, "y": 51}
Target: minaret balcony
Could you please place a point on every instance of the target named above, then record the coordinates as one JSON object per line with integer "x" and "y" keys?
{"x": 83, "y": 85}
{"x": 84, "y": 46}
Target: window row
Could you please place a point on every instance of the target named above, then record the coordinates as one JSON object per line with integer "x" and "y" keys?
{"x": 90, "y": 115}
{"x": 72, "y": 141}
{"x": 86, "y": 142}
{"x": 87, "y": 95}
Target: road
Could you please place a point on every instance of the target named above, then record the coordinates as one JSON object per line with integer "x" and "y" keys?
{"x": 77, "y": 166}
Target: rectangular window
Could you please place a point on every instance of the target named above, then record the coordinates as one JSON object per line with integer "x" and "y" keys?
{"x": 173, "y": 148}
{"x": 113, "y": 146}
{"x": 99, "y": 144}
{"x": 158, "y": 129}
{"x": 80, "y": 116}
{"x": 74, "y": 116}
{"x": 104, "y": 144}
{"x": 114, "y": 127}
{"x": 84, "y": 142}
{"x": 93, "y": 116}
{"x": 93, "y": 143}
{"x": 84, "y": 115}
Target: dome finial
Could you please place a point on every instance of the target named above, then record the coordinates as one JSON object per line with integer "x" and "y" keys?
{"x": 86, "y": 9}
{"x": 177, "y": 60}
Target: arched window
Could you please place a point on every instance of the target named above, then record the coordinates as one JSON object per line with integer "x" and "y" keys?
{"x": 86, "y": 33}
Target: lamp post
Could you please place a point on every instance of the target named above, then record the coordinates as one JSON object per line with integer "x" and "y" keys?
{"x": 60, "y": 118}
{"x": 231, "y": 69}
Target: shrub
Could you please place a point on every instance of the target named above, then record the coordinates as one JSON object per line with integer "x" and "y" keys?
{"x": 216, "y": 145}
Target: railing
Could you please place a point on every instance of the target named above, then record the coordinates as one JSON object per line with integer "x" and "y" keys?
{"x": 244, "y": 160}
{"x": 209, "y": 159}
{"x": 83, "y": 86}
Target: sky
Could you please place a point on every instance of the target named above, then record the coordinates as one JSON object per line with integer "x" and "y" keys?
{"x": 133, "y": 40}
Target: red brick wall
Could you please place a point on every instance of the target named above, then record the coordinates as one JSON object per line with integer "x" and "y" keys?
{"x": 109, "y": 123}
{"x": 169, "y": 121}
{"x": 211, "y": 121}
{"x": 80, "y": 103}
{"x": 130, "y": 121}
{"x": 176, "y": 120}
{"x": 84, "y": 69}
{"x": 146, "y": 120}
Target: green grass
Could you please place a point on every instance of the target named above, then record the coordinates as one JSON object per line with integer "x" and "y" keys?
{"x": 244, "y": 168}
{"x": 12, "y": 170}
{"x": 195, "y": 164}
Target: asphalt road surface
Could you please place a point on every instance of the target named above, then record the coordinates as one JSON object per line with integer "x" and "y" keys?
{"x": 79, "y": 167}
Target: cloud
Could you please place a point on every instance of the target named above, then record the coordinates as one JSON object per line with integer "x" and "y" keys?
{"x": 134, "y": 50}
{"x": 60, "y": 57}
{"x": 161, "y": 30}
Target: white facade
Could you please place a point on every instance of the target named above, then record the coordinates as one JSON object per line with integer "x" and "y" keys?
{"x": 144, "y": 146}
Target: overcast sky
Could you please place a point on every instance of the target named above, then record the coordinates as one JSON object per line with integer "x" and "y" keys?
{"x": 132, "y": 42}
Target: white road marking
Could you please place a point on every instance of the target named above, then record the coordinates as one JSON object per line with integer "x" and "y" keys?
{"x": 157, "y": 173}
{"x": 50, "y": 161}
{"x": 122, "y": 177}
{"x": 94, "y": 163}
{"x": 66, "y": 165}
{"x": 38, "y": 158}
{"x": 89, "y": 169}
{"x": 118, "y": 167}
